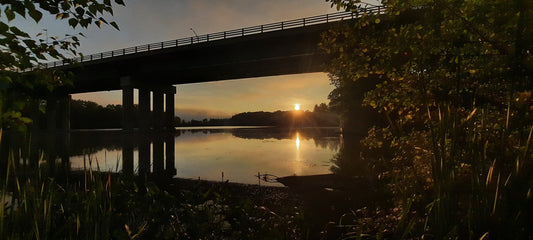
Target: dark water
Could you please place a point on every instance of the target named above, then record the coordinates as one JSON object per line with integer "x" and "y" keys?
{"x": 236, "y": 154}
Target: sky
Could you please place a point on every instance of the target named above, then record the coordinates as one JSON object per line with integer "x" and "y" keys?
{"x": 143, "y": 22}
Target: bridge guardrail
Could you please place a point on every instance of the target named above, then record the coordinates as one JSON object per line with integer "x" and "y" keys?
{"x": 302, "y": 22}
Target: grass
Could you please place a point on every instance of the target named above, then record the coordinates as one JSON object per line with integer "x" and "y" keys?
{"x": 454, "y": 173}
{"x": 482, "y": 175}
{"x": 97, "y": 205}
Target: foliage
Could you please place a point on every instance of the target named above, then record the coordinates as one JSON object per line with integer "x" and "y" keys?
{"x": 455, "y": 89}
{"x": 19, "y": 51}
{"x": 96, "y": 205}
{"x": 285, "y": 119}
{"x": 87, "y": 115}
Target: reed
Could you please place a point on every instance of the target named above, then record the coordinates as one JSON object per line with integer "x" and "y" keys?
{"x": 36, "y": 206}
{"x": 481, "y": 170}
{"x": 98, "y": 205}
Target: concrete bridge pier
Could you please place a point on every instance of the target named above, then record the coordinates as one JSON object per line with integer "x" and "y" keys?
{"x": 58, "y": 113}
{"x": 58, "y": 130}
{"x": 64, "y": 113}
{"x": 127, "y": 104}
{"x": 144, "y": 114}
{"x": 51, "y": 114}
{"x": 170, "y": 92}
{"x": 158, "y": 109}
{"x": 156, "y": 106}
{"x": 155, "y": 112}
{"x": 163, "y": 108}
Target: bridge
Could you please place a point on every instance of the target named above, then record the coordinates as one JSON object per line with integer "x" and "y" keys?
{"x": 288, "y": 47}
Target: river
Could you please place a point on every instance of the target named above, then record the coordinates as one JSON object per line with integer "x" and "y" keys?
{"x": 234, "y": 154}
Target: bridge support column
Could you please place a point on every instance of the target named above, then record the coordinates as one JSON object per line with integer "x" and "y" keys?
{"x": 64, "y": 113}
{"x": 158, "y": 109}
{"x": 51, "y": 114}
{"x": 127, "y": 104}
{"x": 144, "y": 109}
{"x": 169, "y": 108}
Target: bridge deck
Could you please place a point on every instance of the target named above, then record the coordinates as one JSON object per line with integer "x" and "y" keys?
{"x": 288, "y": 47}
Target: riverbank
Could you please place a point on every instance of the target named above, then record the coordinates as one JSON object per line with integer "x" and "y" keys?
{"x": 280, "y": 200}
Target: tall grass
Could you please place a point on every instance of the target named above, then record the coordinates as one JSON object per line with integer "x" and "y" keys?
{"x": 455, "y": 172}
{"x": 481, "y": 169}
{"x": 97, "y": 205}
{"x": 38, "y": 207}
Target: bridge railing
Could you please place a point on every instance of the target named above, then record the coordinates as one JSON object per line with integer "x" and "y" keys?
{"x": 332, "y": 17}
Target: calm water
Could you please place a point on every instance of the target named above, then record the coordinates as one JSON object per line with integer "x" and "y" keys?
{"x": 208, "y": 153}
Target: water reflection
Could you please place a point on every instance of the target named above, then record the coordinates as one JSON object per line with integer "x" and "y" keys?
{"x": 349, "y": 160}
{"x": 297, "y": 141}
{"x": 237, "y": 153}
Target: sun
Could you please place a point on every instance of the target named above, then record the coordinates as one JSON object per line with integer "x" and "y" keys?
{"x": 296, "y": 106}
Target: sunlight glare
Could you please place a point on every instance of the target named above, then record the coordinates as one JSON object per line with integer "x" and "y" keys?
{"x": 297, "y": 106}
{"x": 297, "y": 141}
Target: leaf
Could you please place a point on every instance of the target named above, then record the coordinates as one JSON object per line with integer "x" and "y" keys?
{"x": 10, "y": 14}
{"x": 18, "y": 32}
{"x": 30, "y": 43}
{"x": 115, "y": 25}
{"x": 103, "y": 20}
{"x": 80, "y": 11}
{"x": 36, "y": 15}
{"x": 19, "y": 8}
{"x": 73, "y": 22}
{"x": 3, "y": 27}
{"x": 120, "y": 2}
{"x": 92, "y": 9}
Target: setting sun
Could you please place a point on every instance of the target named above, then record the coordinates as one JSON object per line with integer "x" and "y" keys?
{"x": 296, "y": 106}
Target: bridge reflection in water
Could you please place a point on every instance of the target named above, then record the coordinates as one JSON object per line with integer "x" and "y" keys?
{"x": 156, "y": 153}
{"x": 186, "y": 153}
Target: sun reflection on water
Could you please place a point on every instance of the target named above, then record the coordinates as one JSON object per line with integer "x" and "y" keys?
{"x": 298, "y": 163}
{"x": 297, "y": 141}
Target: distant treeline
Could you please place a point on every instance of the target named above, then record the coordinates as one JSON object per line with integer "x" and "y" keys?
{"x": 285, "y": 118}
{"x": 90, "y": 115}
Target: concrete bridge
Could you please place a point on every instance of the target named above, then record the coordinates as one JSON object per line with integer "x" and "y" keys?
{"x": 289, "y": 47}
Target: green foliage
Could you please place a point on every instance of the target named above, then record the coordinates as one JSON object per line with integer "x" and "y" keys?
{"x": 455, "y": 91}
{"x": 97, "y": 205}
{"x": 19, "y": 51}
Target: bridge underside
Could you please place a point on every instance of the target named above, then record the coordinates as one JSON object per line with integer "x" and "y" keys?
{"x": 282, "y": 52}
{"x": 154, "y": 73}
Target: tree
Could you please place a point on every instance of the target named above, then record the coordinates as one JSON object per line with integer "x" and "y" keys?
{"x": 19, "y": 51}
{"x": 455, "y": 88}
{"x": 322, "y": 107}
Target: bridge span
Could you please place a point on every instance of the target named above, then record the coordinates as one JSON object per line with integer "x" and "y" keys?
{"x": 289, "y": 47}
